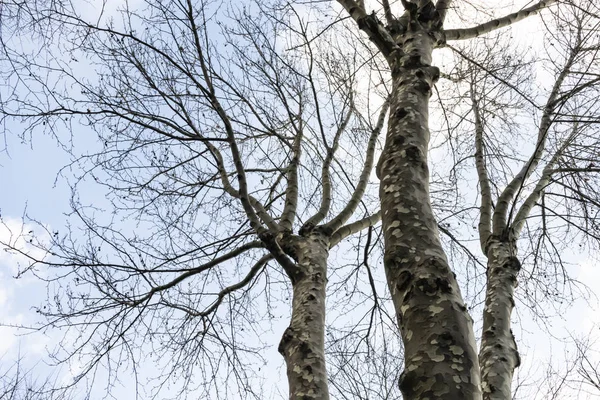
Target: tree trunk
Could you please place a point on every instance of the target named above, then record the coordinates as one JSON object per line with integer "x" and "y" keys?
{"x": 440, "y": 351}
{"x": 499, "y": 355}
{"x": 302, "y": 344}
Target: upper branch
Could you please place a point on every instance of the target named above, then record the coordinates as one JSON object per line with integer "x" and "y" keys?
{"x": 485, "y": 208}
{"x": 513, "y": 189}
{"x": 475, "y": 31}
{"x": 389, "y": 17}
{"x": 325, "y": 173}
{"x": 354, "y": 227}
{"x": 291, "y": 193}
{"x": 542, "y": 183}
{"x": 442, "y": 7}
{"x": 371, "y": 26}
{"x": 347, "y": 212}
{"x": 216, "y": 104}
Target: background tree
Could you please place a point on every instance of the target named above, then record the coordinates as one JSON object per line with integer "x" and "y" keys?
{"x": 237, "y": 148}
{"x": 540, "y": 190}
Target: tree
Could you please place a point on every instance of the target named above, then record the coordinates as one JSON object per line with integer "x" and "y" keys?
{"x": 225, "y": 152}
{"x": 436, "y": 328}
{"x": 239, "y": 120}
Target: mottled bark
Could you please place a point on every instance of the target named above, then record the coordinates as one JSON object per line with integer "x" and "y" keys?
{"x": 498, "y": 356}
{"x": 440, "y": 350}
{"x": 302, "y": 344}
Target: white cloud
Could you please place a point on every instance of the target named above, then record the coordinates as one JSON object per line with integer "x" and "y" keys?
{"x": 17, "y": 296}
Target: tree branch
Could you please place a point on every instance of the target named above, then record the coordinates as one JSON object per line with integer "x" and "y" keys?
{"x": 336, "y": 223}
{"x": 485, "y": 208}
{"x": 353, "y": 227}
{"x": 470, "y": 33}
{"x": 325, "y": 175}
{"x": 371, "y": 26}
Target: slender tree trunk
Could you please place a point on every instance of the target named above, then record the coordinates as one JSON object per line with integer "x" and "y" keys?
{"x": 302, "y": 344}
{"x": 499, "y": 355}
{"x": 440, "y": 351}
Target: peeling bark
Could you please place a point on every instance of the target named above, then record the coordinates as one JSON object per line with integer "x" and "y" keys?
{"x": 302, "y": 344}
{"x": 499, "y": 355}
{"x": 440, "y": 350}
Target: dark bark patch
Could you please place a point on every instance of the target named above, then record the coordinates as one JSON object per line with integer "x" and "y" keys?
{"x": 305, "y": 350}
{"x": 488, "y": 333}
{"x": 435, "y": 73}
{"x": 514, "y": 264}
{"x": 423, "y": 86}
{"x": 428, "y": 13}
{"x": 396, "y": 28}
{"x": 404, "y": 280}
{"x": 324, "y": 230}
{"x": 427, "y": 285}
{"x": 407, "y": 297}
{"x": 407, "y": 383}
{"x": 444, "y": 285}
{"x": 411, "y": 61}
{"x": 413, "y": 153}
{"x": 401, "y": 113}
{"x": 414, "y": 25}
{"x": 446, "y": 339}
{"x": 306, "y": 229}
{"x": 287, "y": 337}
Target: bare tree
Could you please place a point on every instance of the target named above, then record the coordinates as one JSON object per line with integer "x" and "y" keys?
{"x": 231, "y": 154}
{"x": 187, "y": 98}
{"x": 557, "y": 178}
{"x": 436, "y": 328}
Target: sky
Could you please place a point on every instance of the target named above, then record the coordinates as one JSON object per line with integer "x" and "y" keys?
{"x": 32, "y": 186}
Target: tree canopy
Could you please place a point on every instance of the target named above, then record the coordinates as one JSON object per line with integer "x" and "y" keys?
{"x": 226, "y": 161}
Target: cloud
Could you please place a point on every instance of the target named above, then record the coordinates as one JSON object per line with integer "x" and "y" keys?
{"x": 18, "y": 296}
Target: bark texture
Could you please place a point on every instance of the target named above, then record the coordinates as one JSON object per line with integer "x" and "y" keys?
{"x": 302, "y": 344}
{"x": 440, "y": 350}
{"x": 499, "y": 356}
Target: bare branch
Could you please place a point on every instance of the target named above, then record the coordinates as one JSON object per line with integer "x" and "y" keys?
{"x": 470, "y": 33}
{"x": 353, "y": 228}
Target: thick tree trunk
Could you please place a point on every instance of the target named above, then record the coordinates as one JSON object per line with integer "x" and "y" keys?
{"x": 499, "y": 356}
{"x": 302, "y": 344}
{"x": 440, "y": 351}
